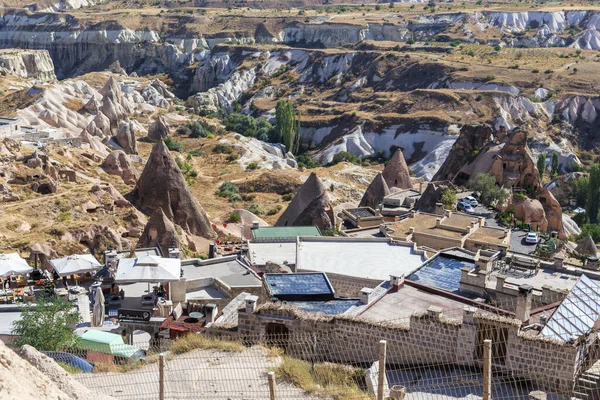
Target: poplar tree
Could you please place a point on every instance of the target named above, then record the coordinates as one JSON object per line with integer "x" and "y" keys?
{"x": 286, "y": 125}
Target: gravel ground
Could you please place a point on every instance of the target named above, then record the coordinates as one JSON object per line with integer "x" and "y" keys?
{"x": 205, "y": 374}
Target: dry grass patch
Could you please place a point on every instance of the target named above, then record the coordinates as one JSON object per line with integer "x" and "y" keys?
{"x": 74, "y": 104}
{"x": 340, "y": 382}
{"x": 192, "y": 341}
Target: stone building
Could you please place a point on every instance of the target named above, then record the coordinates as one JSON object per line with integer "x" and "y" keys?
{"x": 449, "y": 230}
{"x": 429, "y": 337}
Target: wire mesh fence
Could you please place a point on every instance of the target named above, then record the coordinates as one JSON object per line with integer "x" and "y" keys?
{"x": 317, "y": 363}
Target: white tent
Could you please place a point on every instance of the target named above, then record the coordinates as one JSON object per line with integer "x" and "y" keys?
{"x": 148, "y": 269}
{"x": 13, "y": 264}
{"x": 75, "y": 264}
{"x": 98, "y": 313}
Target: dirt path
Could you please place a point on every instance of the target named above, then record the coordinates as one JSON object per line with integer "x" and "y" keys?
{"x": 205, "y": 374}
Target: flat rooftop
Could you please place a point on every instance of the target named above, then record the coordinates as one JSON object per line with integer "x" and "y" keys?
{"x": 487, "y": 234}
{"x": 443, "y": 271}
{"x": 284, "y": 232}
{"x": 361, "y": 258}
{"x": 298, "y": 284}
{"x": 399, "y": 306}
{"x": 545, "y": 276}
{"x": 227, "y": 269}
{"x": 331, "y": 307}
{"x": 362, "y": 212}
{"x": 6, "y": 321}
{"x": 277, "y": 252}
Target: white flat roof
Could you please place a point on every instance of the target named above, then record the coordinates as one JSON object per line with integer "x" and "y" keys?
{"x": 277, "y": 252}
{"x": 358, "y": 258}
{"x": 6, "y": 321}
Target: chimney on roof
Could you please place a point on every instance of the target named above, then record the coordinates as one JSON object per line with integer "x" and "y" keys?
{"x": 211, "y": 311}
{"x": 397, "y": 282}
{"x": 481, "y": 221}
{"x": 174, "y": 252}
{"x": 251, "y": 304}
{"x": 422, "y": 187}
{"x": 439, "y": 209}
{"x": 111, "y": 259}
{"x": 255, "y": 224}
{"x": 366, "y": 295}
{"x": 524, "y": 302}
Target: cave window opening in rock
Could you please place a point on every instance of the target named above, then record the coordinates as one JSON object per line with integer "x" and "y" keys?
{"x": 395, "y": 181}
{"x": 504, "y": 166}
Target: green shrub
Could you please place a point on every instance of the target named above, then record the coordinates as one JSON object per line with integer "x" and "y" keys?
{"x": 234, "y": 218}
{"x": 255, "y": 209}
{"x": 173, "y": 145}
{"x": 305, "y": 162}
{"x": 252, "y": 166}
{"x": 287, "y": 196}
{"x": 222, "y": 149}
{"x": 345, "y": 156}
{"x": 229, "y": 191}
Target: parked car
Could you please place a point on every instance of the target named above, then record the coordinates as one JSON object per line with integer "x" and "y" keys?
{"x": 465, "y": 207}
{"x": 471, "y": 200}
{"x": 71, "y": 359}
{"x": 532, "y": 237}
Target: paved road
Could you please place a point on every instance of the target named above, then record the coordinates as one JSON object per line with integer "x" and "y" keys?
{"x": 482, "y": 211}
{"x": 518, "y": 244}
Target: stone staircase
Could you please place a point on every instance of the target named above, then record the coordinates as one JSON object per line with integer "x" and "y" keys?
{"x": 587, "y": 386}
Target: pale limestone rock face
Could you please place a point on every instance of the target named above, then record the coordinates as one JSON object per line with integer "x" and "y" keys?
{"x": 126, "y": 137}
{"x": 35, "y": 64}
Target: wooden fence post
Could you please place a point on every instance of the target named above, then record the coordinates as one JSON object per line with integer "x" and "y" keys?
{"x": 381, "y": 378}
{"x": 161, "y": 376}
{"x": 271, "y": 376}
{"x": 487, "y": 369}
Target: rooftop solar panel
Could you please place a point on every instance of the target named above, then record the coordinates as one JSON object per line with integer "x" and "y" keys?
{"x": 298, "y": 284}
{"x": 577, "y": 313}
{"x": 441, "y": 272}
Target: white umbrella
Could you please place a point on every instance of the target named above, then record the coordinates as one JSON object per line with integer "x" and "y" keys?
{"x": 13, "y": 264}
{"x": 98, "y": 313}
{"x": 75, "y": 264}
{"x": 148, "y": 269}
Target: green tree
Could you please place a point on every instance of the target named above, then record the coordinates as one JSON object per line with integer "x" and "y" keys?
{"x": 593, "y": 197}
{"x": 555, "y": 164}
{"x": 46, "y": 325}
{"x": 580, "y": 190}
{"x": 490, "y": 193}
{"x": 541, "y": 165}
{"x": 286, "y": 124}
{"x": 448, "y": 198}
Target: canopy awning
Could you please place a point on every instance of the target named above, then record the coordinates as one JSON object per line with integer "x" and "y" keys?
{"x": 13, "y": 264}
{"x": 148, "y": 269}
{"x": 75, "y": 264}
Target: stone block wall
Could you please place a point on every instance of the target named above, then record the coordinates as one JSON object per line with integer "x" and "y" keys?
{"x": 429, "y": 338}
{"x": 436, "y": 242}
{"x": 550, "y": 364}
{"x": 346, "y": 286}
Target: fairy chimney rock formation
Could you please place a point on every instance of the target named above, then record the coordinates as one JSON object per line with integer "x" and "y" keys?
{"x": 375, "y": 193}
{"x": 159, "y": 129}
{"x": 174, "y": 195}
{"x": 396, "y": 172}
{"x": 159, "y": 231}
{"x": 310, "y": 206}
{"x": 118, "y": 163}
{"x": 587, "y": 247}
